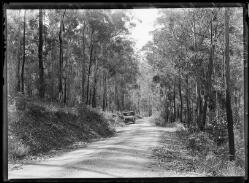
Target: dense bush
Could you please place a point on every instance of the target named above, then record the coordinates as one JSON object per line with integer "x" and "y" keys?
{"x": 213, "y": 159}
{"x": 200, "y": 143}
{"x": 37, "y": 129}
{"x": 217, "y": 128}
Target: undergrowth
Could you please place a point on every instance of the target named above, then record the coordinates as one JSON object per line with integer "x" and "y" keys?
{"x": 37, "y": 127}
{"x": 187, "y": 150}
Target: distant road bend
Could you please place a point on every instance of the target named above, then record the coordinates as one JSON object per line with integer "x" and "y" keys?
{"x": 128, "y": 154}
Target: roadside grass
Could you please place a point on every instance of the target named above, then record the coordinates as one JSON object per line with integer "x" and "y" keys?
{"x": 35, "y": 128}
{"x": 172, "y": 155}
{"x": 188, "y": 151}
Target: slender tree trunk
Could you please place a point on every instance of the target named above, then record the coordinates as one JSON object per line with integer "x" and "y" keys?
{"x": 65, "y": 90}
{"x": 18, "y": 87}
{"x": 180, "y": 94}
{"x": 122, "y": 100}
{"x": 174, "y": 100}
{"x": 197, "y": 89}
{"x": 104, "y": 92}
{"x": 116, "y": 92}
{"x": 67, "y": 69}
{"x": 95, "y": 82}
{"x": 196, "y": 102}
{"x": 89, "y": 69}
{"x": 60, "y": 63}
{"x": 228, "y": 89}
{"x": 61, "y": 56}
{"x": 52, "y": 69}
{"x": 209, "y": 78}
{"x": 83, "y": 65}
{"x": 244, "y": 96}
{"x": 23, "y": 58}
{"x": 150, "y": 111}
{"x": 187, "y": 101}
{"x": 199, "y": 106}
{"x": 41, "y": 71}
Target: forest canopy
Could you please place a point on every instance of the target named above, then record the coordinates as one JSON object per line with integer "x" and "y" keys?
{"x": 72, "y": 56}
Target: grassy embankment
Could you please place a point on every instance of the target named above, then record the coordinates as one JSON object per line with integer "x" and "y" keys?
{"x": 188, "y": 150}
{"x": 36, "y": 127}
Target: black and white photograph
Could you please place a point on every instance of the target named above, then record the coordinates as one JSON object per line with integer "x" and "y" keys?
{"x": 125, "y": 93}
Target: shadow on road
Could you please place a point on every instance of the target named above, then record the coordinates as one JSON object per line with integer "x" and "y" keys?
{"x": 127, "y": 154}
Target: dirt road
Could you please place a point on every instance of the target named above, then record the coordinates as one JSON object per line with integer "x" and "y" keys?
{"x": 128, "y": 154}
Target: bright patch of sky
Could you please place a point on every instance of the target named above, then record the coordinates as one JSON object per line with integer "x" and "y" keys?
{"x": 140, "y": 33}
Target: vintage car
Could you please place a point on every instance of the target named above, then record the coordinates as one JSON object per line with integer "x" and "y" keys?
{"x": 129, "y": 117}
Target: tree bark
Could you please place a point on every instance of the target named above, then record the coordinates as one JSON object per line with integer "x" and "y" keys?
{"x": 187, "y": 101}
{"x": 61, "y": 56}
{"x": 199, "y": 106}
{"x": 83, "y": 65}
{"x": 89, "y": 69}
{"x": 52, "y": 68}
{"x": 180, "y": 94}
{"x": 65, "y": 91}
{"x": 18, "y": 87}
{"x": 116, "y": 92}
{"x": 104, "y": 91}
{"x": 94, "y": 102}
{"x": 209, "y": 77}
{"x": 174, "y": 95}
{"x": 41, "y": 71}
{"x": 23, "y": 58}
{"x": 228, "y": 89}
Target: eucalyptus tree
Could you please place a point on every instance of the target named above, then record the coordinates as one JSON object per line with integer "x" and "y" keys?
{"x": 228, "y": 89}
{"x": 40, "y": 54}
{"x": 23, "y": 52}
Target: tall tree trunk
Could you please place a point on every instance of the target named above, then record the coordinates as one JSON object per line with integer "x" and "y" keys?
{"x": 89, "y": 69}
{"x": 199, "y": 106}
{"x": 52, "y": 69}
{"x": 196, "y": 102}
{"x": 61, "y": 56}
{"x": 170, "y": 105}
{"x": 67, "y": 69}
{"x": 187, "y": 101}
{"x": 180, "y": 94}
{"x": 209, "y": 77}
{"x": 23, "y": 57}
{"x": 60, "y": 63}
{"x": 41, "y": 71}
{"x": 83, "y": 65}
{"x": 94, "y": 102}
{"x": 245, "y": 96}
{"x": 18, "y": 87}
{"x": 150, "y": 111}
{"x": 122, "y": 100}
{"x": 116, "y": 93}
{"x": 228, "y": 89}
{"x": 197, "y": 88}
{"x": 104, "y": 92}
{"x": 174, "y": 100}
{"x": 65, "y": 91}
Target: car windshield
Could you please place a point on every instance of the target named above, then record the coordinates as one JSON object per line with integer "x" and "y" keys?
{"x": 132, "y": 113}
{"x": 125, "y": 114}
